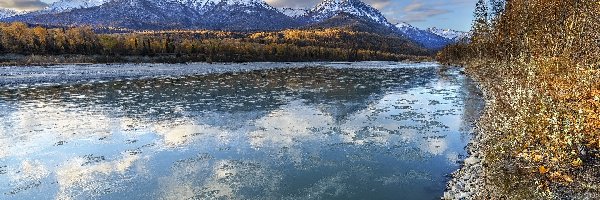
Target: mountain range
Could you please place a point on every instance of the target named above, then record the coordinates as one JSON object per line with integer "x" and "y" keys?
{"x": 6, "y": 13}
{"x": 450, "y": 34}
{"x": 230, "y": 15}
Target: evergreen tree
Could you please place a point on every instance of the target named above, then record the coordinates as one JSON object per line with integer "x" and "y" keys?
{"x": 497, "y": 8}
{"x": 481, "y": 26}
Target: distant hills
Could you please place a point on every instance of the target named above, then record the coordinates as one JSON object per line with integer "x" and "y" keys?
{"x": 228, "y": 15}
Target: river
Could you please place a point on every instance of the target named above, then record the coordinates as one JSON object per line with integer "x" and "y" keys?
{"x": 373, "y": 130}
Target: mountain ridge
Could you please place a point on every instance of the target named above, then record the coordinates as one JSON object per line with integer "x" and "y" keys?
{"x": 427, "y": 39}
{"x": 449, "y": 33}
{"x": 5, "y": 13}
{"x": 229, "y": 15}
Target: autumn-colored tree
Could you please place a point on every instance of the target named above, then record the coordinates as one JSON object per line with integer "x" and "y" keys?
{"x": 539, "y": 63}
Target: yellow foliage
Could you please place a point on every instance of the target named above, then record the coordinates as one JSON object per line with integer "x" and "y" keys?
{"x": 540, "y": 70}
{"x": 537, "y": 158}
{"x": 577, "y": 162}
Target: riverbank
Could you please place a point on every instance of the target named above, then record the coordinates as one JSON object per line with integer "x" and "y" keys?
{"x": 537, "y": 138}
{"x": 469, "y": 181}
{"x": 540, "y": 70}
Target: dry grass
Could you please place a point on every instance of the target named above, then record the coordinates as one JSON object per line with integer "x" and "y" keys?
{"x": 543, "y": 129}
{"x": 540, "y": 69}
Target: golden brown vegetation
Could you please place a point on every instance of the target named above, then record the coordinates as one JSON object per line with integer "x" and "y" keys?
{"x": 538, "y": 62}
{"x": 209, "y": 46}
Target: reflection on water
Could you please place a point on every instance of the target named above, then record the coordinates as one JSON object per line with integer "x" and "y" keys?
{"x": 305, "y": 133}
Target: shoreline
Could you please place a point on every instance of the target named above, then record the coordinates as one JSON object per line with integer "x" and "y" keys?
{"x": 468, "y": 182}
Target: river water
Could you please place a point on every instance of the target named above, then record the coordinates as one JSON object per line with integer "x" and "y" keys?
{"x": 377, "y": 132}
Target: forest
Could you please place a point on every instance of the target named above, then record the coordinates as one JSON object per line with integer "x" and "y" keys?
{"x": 206, "y": 46}
{"x": 538, "y": 65}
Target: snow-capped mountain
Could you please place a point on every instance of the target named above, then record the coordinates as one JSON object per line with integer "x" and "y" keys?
{"x": 239, "y": 15}
{"x": 294, "y": 12}
{"x": 330, "y": 8}
{"x": 244, "y": 15}
{"x": 361, "y": 16}
{"x": 5, "y": 13}
{"x": 133, "y": 14}
{"x": 68, "y": 5}
{"x": 232, "y": 15}
{"x": 449, "y": 33}
{"x": 207, "y": 5}
{"x": 427, "y": 39}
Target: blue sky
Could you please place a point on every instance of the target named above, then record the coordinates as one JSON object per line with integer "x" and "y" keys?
{"x": 453, "y": 14}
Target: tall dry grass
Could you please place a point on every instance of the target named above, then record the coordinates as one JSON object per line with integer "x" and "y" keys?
{"x": 539, "y": 66}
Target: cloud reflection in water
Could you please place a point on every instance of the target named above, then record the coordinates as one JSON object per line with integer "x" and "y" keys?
{"x": 274, "y": 134}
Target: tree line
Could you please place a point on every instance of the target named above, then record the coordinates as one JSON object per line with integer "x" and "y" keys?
{"x": 211, "y": 46}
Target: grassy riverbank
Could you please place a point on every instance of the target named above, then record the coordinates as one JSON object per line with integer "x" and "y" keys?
{"x": 540, "y": 131}
{"x": 537, "y": 62}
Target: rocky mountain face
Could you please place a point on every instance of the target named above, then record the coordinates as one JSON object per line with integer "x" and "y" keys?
{"x": 427, "y": 39}
{"x": 453, "y": 35}
{"x": 244, "y": 15}
{"x": 331, "y": 8}
{"x": 294, "y": 12}
{"x": 235, "y": 15}
{"x": 68, "y": 5}
{"x": 231, "y": 15}
{"x": 132, "y": 14}
{"x": 6, "y": 13}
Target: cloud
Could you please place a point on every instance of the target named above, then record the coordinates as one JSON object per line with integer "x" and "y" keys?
{"x": 416, "y": 11}
{"x": 23, "y": 4}
{"x": 379, "y": 4}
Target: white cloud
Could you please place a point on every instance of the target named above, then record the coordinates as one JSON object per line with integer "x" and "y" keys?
{"x": 23, "y": 4}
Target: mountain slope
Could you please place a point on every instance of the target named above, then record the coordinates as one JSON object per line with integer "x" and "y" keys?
{"x": 237, "y": 15}
{"x": 243, "y": 15}
{"x": 449, "y": 33}
{"x": 425, "y": 38}
{"x": 228, "y": 15}
{"x": 331, "y": 8}
{"x": 353, "y": 23}
{"x": 294, "y": 12}
{"x": 67, "y": 5}
{"x": 357, "y": 15}
{"x": 134, "y": 14}
{"x": 5, "y": 13}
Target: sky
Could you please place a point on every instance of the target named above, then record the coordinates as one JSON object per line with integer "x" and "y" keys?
{"x": 452, "y": 14}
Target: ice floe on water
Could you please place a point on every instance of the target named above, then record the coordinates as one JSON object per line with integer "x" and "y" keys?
{"x": 23, "y": 76}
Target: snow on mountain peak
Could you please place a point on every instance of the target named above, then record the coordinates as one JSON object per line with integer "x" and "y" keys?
{"x": 68, "y": 5}
{"x": 449, "y": 33}
{"x": 6, "y": 13}
{"x": 329, "y": 8}
{"x": 403, "y": 25}
{"x": 225, "y": 2}
{"x": 293, "y": 12}
{"x": 424, "y": 37}
{"x": 206, "y": 5}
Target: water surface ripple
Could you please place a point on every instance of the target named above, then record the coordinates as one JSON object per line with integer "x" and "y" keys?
{"x": 284, "y": 133}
